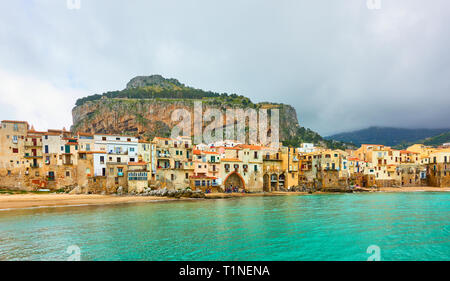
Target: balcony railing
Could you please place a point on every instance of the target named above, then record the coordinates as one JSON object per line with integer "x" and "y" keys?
{"x": 163, "y": 155}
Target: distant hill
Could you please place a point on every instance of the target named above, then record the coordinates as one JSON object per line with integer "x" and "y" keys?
{"x": 431, "y": 141}
{"x": 387, "y": 136}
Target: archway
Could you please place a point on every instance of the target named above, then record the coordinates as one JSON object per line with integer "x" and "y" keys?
{"x": 281, "y": 181}
{"x": 266, "y": 183}
{"x": 274, "y": 182}
{"x": 235, "y": 180}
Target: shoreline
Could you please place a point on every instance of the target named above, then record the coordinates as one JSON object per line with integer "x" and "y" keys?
{"x": 13, "y": 202}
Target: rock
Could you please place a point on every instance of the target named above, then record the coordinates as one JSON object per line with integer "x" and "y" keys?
{"x": 76, "y": 190}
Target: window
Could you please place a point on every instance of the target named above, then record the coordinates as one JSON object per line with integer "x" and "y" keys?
{"x": 172, "y": 177}
{"x": 103, "y": 138}
{"x": 256, "y": 154}
{"x": 102, "y": 159}
{"x": 46, "y": 149}
{"x": 14, "y": 139}
{"x": 88, "y": 171}
{"x": 62, "y": 148}
{"x": 16, "y": 127}
{"x": 118, "y": 139}
{"x": 118, "y": 160}
{"x": 88, "y": 147}
{"x": 186, "y": 175}
{"x": 131, "y": 149}
{"x": 15, "y": 150}
{"x": 68, "y": 174}
{"x": 131, "y": 159}
{"x": 111, "y": 170}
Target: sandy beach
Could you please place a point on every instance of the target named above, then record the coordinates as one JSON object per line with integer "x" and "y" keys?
{"x": 414, "y": 189}
{"x": 26, "y": 201}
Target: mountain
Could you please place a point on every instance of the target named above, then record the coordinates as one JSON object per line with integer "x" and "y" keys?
{"x": 144, "y": 108}
{"x": 431, "y": 141}
{"x": 386, "y": 135}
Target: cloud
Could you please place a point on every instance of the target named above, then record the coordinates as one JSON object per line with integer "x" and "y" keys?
{"x": 341, "y": 65}
{"x": 38, "y": 102}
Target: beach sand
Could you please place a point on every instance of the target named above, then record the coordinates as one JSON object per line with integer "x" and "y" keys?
{"x": 25, "y": 201}
{"x": 414, "y": 189}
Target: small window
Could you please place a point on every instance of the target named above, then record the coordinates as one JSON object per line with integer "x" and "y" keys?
{"x": 68, "y": 174}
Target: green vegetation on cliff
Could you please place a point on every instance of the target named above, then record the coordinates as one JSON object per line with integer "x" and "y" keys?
{"x": 155, "y": 86}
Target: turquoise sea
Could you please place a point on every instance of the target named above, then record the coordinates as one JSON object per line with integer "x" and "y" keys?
{"x": 405, "y": 226}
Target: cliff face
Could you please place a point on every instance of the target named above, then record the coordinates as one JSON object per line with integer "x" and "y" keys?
{"x": 152, "y": 117}
{"x": 145, "y": 107}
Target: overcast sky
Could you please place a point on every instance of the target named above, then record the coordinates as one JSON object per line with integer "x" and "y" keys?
{"x": 341, "y": 65}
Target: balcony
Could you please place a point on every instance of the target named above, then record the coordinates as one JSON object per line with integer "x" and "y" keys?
{"x": 163, "y": 155}
{"x": 33, "y": 144}
{"x": 32, "y": 156}
{"x": 112, "y": 152}
{"x": 271, "y": 158}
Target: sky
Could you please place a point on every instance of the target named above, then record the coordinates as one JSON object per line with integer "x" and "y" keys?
{"x": 342, "y": 64}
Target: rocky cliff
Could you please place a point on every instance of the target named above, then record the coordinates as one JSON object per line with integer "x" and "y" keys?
{"x": 144, "y": 108}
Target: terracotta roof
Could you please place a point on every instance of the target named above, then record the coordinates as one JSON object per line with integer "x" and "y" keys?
{"x": 250, "y": 146}
{"x": 353, "y": 159}
{"x": 410, "y": 152}
{"x": 13, "y": 121}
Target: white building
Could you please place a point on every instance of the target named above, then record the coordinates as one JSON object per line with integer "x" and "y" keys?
{"x": 307, "y": 148}
{"x": 113, "y": 149}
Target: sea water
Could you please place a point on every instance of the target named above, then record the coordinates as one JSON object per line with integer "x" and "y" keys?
{"x": 394, "y": 226}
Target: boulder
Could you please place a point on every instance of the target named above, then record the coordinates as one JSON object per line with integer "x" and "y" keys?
{"x": 76, "y": 190}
